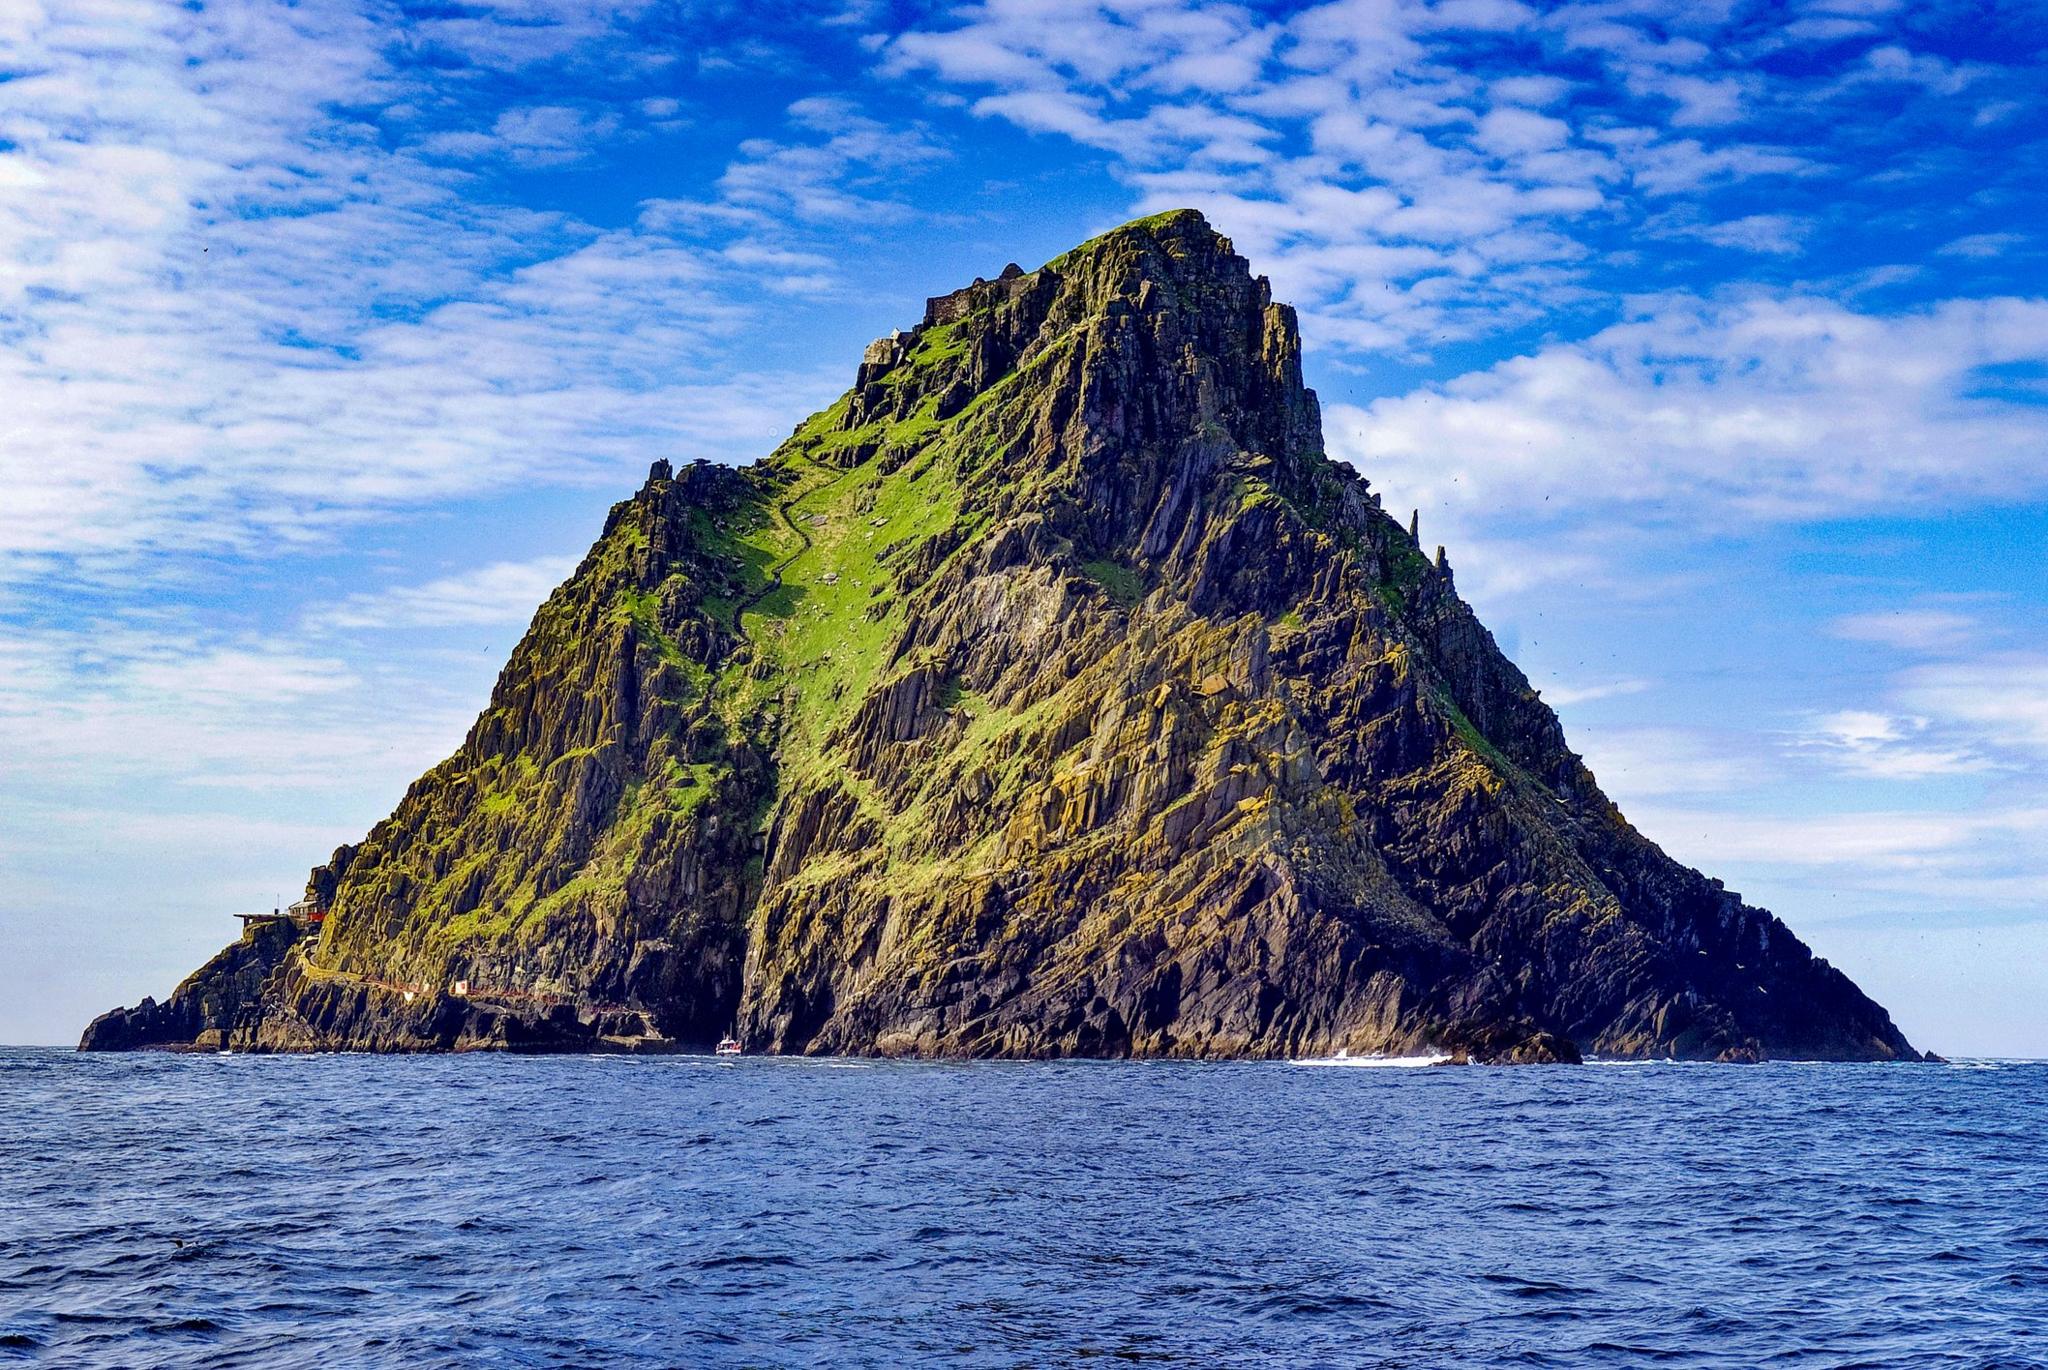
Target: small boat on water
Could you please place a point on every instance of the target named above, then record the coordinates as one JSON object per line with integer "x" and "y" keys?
{"x": 727, "y": 1046}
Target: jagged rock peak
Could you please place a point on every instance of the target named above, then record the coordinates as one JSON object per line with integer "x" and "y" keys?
{"x": 1171, "y": 264}
{"x": 1050, "y": 693}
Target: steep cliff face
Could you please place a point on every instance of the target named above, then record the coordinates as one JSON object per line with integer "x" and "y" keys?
{"x": 1051, "y": 693}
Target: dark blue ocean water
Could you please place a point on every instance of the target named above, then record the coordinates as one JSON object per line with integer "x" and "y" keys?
{"x": 487, "y": 1211}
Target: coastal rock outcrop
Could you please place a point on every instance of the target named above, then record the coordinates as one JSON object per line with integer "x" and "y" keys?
{"x": 1051, "y": 693}
{"x": 219, "y": 1003}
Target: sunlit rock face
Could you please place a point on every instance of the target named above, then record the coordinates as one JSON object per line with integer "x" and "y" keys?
{"x": 1052, "y": 693}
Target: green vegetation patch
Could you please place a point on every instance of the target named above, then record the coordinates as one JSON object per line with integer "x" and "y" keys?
{"x": 1405, "y": 569}
{"x": 1123, "y": 584}
{"x": 1468, "y": 733}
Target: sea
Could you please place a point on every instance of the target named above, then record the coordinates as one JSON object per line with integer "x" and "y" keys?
{"x": 482, "y": 1210}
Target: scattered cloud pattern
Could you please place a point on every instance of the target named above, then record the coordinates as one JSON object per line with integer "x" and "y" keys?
{"x": 1709, "y": 337}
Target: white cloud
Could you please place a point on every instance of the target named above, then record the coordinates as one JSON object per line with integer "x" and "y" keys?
{"x": 1634, "y": 764}
{"x": 233, "y": 675}
{"x": 1763, "y": 407}
{"x": 1414, "y": 210}
{"x": 1776, "y": 234}
{"x": 507, "y": 35}
{"x": 1530, "y": 90}
{"x": 1895, "y": 63}
{"x": 1507, "y": 131}
{"x": 1559, "y": 695}
{"x": 1888, "y": 747}
{"x": 844, "y": 167}
{"x": 1492, "y": 188}
{"x": 1058, "y": 111}
{"x": 1964, "y": 836}
{"x": 534, "y": 136}
{"x": 109, "y": 714}
{"x": 1963, "y": 857}
{"x": 1491, "y": 568}
{"x": 237, "y": 322}
{"x": 2004, "y": 697}
{"x": 1826, "y": 30}
{"x": 1911, "y": 629}
{"x": 1985, "y": 716}
{"x": 1983, "y": 245}
{"x": 504, "y": 592}
{"x": 1702, "y": 100}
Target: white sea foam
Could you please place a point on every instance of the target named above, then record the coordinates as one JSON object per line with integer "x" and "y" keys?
{"x": 1373, "y": 1062}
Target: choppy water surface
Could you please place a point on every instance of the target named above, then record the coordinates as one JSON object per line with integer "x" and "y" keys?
{"x": 350, "y": 1211}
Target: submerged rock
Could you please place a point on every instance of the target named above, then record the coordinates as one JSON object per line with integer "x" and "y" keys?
{"x": 1052, "y": 693}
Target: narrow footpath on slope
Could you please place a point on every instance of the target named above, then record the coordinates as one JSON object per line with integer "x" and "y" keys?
{"x": 804, "y": 544}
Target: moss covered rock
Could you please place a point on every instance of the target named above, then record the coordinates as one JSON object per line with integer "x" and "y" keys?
{"x": 1052, "y": 693}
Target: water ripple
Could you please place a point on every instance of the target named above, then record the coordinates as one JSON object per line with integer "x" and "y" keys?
{"x": 488, "y": 1211}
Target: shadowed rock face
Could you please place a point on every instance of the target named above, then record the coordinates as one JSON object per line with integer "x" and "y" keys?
{"x": 1051, "y": 693}
{"x": 219, "y": 1003}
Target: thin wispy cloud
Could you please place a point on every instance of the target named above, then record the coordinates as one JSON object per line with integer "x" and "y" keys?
{"x": 1755, "y": 407}
{"x": 532, "y": 136}
{"x": 1708, "y": 338}
{"x": 1881, "y": 857}
{"x": 1910, "y": 629}
{"x": 2004, "y": 696}
{"x": 1889, "y": 746}
{"x": 502, "y": 593}
{"x": 1505, "y": 151}
{"x": 1641, "y": 764}
{"x": 240, "y": 314}
{"x": 1559, "y": 695}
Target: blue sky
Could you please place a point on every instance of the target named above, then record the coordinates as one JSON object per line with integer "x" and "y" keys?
{"x": 1710, "y": 338}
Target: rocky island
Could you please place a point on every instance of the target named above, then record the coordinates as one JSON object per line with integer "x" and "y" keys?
{"x": 1052, "y": 693}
